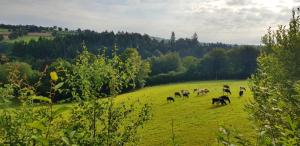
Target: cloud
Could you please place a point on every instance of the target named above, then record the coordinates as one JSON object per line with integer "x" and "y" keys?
{"x": 229, "y": 21}
{"x": 238, "y": 2}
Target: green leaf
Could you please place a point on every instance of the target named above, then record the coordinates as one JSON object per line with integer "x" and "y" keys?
{"x": 65, "y": 140}
{"x": 59, "y": 85}
{"x": 37, "y": 125}
{"x": 40, "y": 98}
{"x": 42, "y": 140}
{"x": 72, "y": 134}
{"x": 60, "y": 110}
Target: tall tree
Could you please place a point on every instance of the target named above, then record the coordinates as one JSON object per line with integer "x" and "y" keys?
{"x": 276, "y": 87}
{"x": 195, "y": 37}
{"x": 172, "y": 40}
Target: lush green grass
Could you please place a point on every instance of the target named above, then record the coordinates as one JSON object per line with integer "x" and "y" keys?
{"x": 196, "y": 120}
{"x": 3, "y": 30}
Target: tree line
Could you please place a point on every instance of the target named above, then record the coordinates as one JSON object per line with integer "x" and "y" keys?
{"x": 171, "y": 60}
{"x": 235, "y": 63}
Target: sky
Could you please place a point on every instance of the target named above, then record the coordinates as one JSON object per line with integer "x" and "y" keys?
{"x": 227, "y": 21}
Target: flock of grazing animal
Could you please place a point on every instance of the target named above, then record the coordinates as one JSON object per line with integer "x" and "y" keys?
{"x": 220, "y": 100}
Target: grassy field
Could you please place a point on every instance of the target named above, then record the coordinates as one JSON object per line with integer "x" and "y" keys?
{"x": 3, "y": 30}
{"x": 196, "y": 120}
{"x": 25, "y": 38}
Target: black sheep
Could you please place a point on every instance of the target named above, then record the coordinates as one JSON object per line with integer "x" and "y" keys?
{"x": 241, "y": 93}
{"x": 177, "y": 94}
{"x": 224, "y": 97}
{"x": 170, "y": 99}
{"x": 226, "y": 90}
{"x": 218, "y": 100}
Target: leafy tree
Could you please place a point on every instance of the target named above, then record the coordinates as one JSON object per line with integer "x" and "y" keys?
{"x": 137, "y": 65}
{"x": 1, "y": 37}
{"x": 13, "y": 35}
{"x": 242, "y": 61}
{"x": 90, "y": 120}
{"x": 214, "y": 64}
{"x": 275, "y": 85}
{"x": 276, "y": 88}
{"x": 190, "y": 62}
{"x": 166, "y": 63}
{"x": 24, "y": 69}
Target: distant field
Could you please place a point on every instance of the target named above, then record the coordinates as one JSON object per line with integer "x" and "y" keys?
{"x": 2, "y": 30}
{"x": 26, "y": 38}
{"x": 196, "y": 120}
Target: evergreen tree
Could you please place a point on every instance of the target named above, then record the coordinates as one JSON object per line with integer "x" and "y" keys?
{"x": 172, "y": 40}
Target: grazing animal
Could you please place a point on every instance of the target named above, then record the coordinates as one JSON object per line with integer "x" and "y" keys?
{"x": 184, "y": 91}
{"x": 241, "y": 93}
{"x": 226, "y": 86}
{"x": 170, "y": 99}
{"x": 224, "y": 97}
{"x": 177, "y": 94}
{"x": 218, "y": 100}
{"x": 186, "y": 94}
{"x": 242, "y": 88}
{"x": 202, "y": 91}
{"x": 227, "y": 91}
{"x": 206, "y": 90}
{"x": 195, "y": 90}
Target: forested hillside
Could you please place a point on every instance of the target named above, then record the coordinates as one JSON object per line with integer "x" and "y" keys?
{"x": 170, "y": 60}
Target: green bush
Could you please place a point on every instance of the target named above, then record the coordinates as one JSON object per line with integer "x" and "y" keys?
{"x": 1, "y": 37}
{"x": 276, "y": 88}
{"x": 26, "y": 72}
{"x": 90, "y": 120}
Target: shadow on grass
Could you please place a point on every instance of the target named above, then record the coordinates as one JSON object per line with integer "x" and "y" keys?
{"x": 216, "y": 106}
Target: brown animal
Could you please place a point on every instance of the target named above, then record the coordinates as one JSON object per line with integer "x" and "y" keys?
{"x": 202, "y": 91}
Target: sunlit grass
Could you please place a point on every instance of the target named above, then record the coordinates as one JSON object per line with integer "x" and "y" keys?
{"x": 196, "y": 120}
{"x": 27, "y": 38}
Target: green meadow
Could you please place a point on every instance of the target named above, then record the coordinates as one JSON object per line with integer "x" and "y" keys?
{"x": 196, "y": 120}
{"x": 27, "y": 38}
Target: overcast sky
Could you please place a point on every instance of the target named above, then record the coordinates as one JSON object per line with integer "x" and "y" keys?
{"x": 228, "y": 21}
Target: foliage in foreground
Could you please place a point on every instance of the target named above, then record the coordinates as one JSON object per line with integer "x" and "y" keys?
{"x": 89, "y": 121}
{"x": 276, "y": 90}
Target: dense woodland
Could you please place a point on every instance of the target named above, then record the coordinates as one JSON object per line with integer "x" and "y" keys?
{"x": 171, "y": 60}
